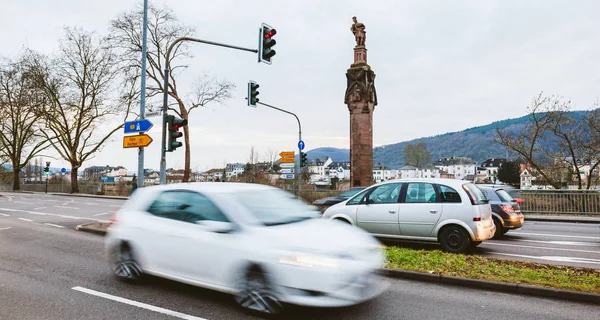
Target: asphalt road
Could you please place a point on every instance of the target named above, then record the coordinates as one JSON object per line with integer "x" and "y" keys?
{"x": 58, "y": 273}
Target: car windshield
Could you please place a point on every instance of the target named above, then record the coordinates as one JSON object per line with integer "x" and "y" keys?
{"x": 349, "y": 193}
{"x": 275, "y": 207}
{"x": 504, "y": 196}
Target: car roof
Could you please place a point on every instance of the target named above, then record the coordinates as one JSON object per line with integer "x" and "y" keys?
{"x": 448, "y": 182}
{"x": 210, "y": 187}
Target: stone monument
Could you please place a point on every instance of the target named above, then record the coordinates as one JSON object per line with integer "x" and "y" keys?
{"x": 361, "y": 100}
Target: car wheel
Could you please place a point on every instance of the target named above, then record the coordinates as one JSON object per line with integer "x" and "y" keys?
{"x": 499, "y": 229}
{"x": 124, "y": 266}
{"x": 257, "y": 294}
{"x": 454, "y": 239}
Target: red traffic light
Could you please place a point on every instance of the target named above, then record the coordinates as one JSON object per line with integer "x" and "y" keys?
{"x": 270, "y": 34}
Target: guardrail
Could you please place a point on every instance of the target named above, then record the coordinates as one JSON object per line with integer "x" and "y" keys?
{"x": 560, "y": 201}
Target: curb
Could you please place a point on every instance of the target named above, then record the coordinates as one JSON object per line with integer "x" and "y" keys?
{"x": 89, "y": 196}
{"x": 495, "y": 286}
{"x": 86, "y": 228}
{"x": 568, "y": 220}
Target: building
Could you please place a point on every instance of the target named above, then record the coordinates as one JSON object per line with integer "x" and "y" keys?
{"x": 234, "y": 169}
{"x": 456, "y": 167}
{"x": 339, "y": 170}
{"x": 382, "y": 173}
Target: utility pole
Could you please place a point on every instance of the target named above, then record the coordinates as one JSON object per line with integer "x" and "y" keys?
{"x": 140, "y": 177}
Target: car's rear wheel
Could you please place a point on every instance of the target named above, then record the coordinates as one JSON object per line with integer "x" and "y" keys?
{"x": 454, "y": 239}
{"x": 124, "y": 266}
{"x": 257, "y": 294}
{"x": 500, "y": 230}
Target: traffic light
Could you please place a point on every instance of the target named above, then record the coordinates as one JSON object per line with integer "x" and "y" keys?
{"x": 47, "y": 168}
{"x": 266, "y": 43}
{"x": 303, "y": 159}
{"x": 174, "y": 124}
{"x": 253, "y": 93}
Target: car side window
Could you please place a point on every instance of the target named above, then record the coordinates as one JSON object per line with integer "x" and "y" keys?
{"x": 386, "y": 193}
{"x": 420, "y": 193}
{"x": 356, "y": 200}
{"x": 449, "y": 194}
{"x": 186, "y": 206}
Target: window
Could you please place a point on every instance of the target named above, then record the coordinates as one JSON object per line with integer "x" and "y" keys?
{"x": 185, "y": 206}
{"x": 358, "y": 198}
{"x": 386, "y": 193}
{"x": 449, "y": 194}
{"x": 420, "y": 193}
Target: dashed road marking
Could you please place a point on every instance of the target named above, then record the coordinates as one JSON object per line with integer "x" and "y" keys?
{"x": 4, "y": 215}
{"x": 24, "y": 219}
{"x": 40, "y": 208}
{"x": 137, "y": 304}
{"x": 53, "y": 225}
{"x": 553, "y": 235}
{"x": 101, "y": 214}
{"x": 65, "y": 207}
{"x": 54, "y": 215}
{"x": 5, "y": 228}
{"x": 553, "y": 258}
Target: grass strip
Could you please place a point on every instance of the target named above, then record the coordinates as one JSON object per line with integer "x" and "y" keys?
{"x": 477, "y": 267}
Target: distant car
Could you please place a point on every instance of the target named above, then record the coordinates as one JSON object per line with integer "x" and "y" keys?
{"x": 512, "y": 191}
{"x": 454, "y": 213}
{"x": 256, "y": 242}
{"x": 343, "y": 196}
{"x": 506, "y": 211}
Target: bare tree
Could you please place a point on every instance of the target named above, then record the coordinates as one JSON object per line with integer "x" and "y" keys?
{"x": 20, "y": 116}
{"x": 79, "y": 84}
{"x": 163, "y": 29}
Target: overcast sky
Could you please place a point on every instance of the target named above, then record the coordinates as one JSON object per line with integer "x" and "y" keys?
{"x": 441, "y": 66}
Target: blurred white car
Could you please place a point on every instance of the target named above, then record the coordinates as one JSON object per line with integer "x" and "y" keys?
{"x": 254, "y": 241}
{"x": 454, "y": 213}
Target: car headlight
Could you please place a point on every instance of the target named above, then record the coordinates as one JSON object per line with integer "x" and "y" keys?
{"x": 309, "y": 260}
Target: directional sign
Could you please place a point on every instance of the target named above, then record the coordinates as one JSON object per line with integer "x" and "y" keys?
{"x": 153, "y": 114}
{"x": 287, "y": 160}
{"x": 136, "y": 141}
{"x": 287, "y": 176}
{"x": 63, "y": 170}
{"x": 286, "y": 171}
{"x": 301, "y": 145}
{"x": 137, "y": 126}
{"x": 287, "y": 154}
{"x": 287, "y": 165}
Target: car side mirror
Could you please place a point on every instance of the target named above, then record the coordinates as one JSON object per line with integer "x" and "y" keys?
{"x": 216, "y": 226}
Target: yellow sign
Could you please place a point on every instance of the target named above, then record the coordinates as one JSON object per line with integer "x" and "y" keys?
{"x": 286, "y": 160}
{"x": 287, "y": 154}
{"x": 136, "y": 141}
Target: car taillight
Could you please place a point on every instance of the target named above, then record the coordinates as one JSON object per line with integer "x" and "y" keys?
{"x": 113, "y": 218}
{"x": 477, "y": 219}
{"x": 507, "y": 209}
{"x": 519, "y": 200}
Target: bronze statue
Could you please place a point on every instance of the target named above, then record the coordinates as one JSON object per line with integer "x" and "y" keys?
{"x": 358, "y": 29}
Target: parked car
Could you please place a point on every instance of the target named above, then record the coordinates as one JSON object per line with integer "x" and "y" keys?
{"x": 256, "y": 242}
{"x": 344, "y": 195}
{"x": 512, "y": 191}
{"x": 505, "y": 210}
{"x": 454, "y": 213}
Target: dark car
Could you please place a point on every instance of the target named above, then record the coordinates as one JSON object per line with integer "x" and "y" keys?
{"x": 343, "y": 196}
{"x": 506, "y": 212}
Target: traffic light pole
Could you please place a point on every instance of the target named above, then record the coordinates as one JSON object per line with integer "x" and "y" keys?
{"x": 298, "y": 167}
{"x": 163, "y": 153}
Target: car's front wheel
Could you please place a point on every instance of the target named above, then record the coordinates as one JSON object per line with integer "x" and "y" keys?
{"x": 124, "y": 266}
{"x": 454, "y": 239}
{"x": 257, "y": 294}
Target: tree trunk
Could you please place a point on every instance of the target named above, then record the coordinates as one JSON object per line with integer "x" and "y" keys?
{"x": 16, "y": 178}
{"x": 74, "y": 182}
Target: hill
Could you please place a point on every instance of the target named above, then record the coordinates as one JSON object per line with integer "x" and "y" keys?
{"x": 476, "y": 143}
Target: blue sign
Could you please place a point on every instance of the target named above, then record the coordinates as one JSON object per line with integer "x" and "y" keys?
{"x": 137, "y": 126}
{"x": 63, "y": 170}
{"x": 301, "y": 145}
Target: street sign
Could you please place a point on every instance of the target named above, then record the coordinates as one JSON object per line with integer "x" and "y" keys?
{"x": 137, "y": 126}
{"x": 136, "y": 141}
{"x": 287, "y": 165}
{"x": 292, "y": 160}
{"x": 286, "y": 171}
{"x": 287, "y": 154}
{"x": 153, "y": 114}
{"x": 287, "y": 176}
{"x": 301, "y": 145}
{"x": 63, "y": 170}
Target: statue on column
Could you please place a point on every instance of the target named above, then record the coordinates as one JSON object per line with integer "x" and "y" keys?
{"x": 358, "y": 29}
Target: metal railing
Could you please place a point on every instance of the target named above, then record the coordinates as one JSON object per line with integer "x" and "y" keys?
{"x": 560, "y": 201}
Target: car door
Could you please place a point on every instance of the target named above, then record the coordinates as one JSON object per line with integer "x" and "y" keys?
{"x": 419, "y": 210}
{"x": 378, "y": 211}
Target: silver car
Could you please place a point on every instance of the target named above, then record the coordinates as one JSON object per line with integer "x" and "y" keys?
{"x": 454, "y": 213}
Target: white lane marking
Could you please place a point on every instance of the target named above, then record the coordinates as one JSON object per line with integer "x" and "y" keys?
{"x": 6, "y": 228}
{"x": 40, "y": 208}
{"x": 53, "y": 225}
{"x": 4, "y": 214}
{"x": 51, "y": 200}
{"x": 554, "y": 235}
{"x": 137, "y": 304}
{"x": 553, "y": 258}
{"x": 28, "y": 220}
{"x": 93, "y": 204}
{"x": 114, "y": 205}
{"x": 64, "y": 207}
{"x": 533, "y": 247}
{"x": 101, "y": 214}
{"x": 22, "y": 202}
{"x": 55, "y": 215}
{"x": 564, "y": 243}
